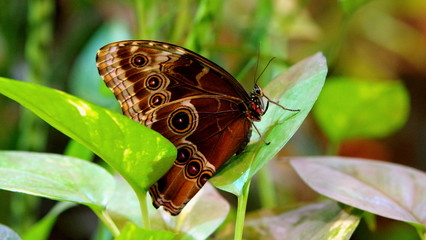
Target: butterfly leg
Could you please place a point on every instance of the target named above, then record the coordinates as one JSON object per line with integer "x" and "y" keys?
{"x": 281, "y": 106}
{"x": 261, "y": 137}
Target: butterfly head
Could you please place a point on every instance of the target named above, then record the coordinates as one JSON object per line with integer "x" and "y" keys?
{"x": 257, "y": 107}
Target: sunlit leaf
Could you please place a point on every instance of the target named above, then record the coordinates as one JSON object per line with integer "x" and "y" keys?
{"x": 358, "y": 108}
{"x": 298, "y": 88}
{"x": 56, "y": 177}
{"x": 324, "y": 220}
{"x": 138, "y": 153}
{"x": 77, "y": 150}
{"x": 382, "y": 188}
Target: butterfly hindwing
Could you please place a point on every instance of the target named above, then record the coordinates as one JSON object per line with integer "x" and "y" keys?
{"x": 205, "y": 138}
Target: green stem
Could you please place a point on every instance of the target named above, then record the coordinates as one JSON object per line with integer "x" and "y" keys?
{"x": 370, "y": 220}
{"x": 266, "y": 188}
{"x": 241, "y": 211}
{"x": 140, "y": 17}
{"x": 146, "y": 223}
{"x": 182, "y": 20}
{"x": 109, "y": 223}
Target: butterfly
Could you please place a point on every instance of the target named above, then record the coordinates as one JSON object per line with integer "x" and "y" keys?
{"x": 188, "y": 99}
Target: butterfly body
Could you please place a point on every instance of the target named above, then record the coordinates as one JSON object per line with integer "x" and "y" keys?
{"x": 188, "y": 99}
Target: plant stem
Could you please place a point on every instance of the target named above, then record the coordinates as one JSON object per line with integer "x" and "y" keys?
{"x": 182, "y": 20}
{"x": 109, "y": 223}
{"x": 241, "y": 211}
{"x": 370, "y": 220}
{"x": 266, "y": 188}
{"x": 144, "y": 210}
{"x": 140, "y": 17}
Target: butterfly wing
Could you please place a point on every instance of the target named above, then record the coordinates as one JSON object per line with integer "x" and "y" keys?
{"x": 191, "y": 101}
{"x": 205, "y": 134}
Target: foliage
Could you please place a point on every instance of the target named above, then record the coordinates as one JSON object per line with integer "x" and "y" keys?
{"x": 354, "y": 108}
{"x": 374, "y": 56}
{"x": 135, "y": 158}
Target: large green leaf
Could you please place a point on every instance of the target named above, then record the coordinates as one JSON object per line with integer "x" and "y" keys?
{"x": 85, "y": 81}
{"x": 298, "y": 88}
{"x": 56, "y": 177}
{"x": 326, "y": 220}
{"x": 139, "y": 154}
{"x": 358, "y": 108}
{"x": 382, "y": 188}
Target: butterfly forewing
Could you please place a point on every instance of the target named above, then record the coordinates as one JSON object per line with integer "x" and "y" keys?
{"x": 191, "y": 101}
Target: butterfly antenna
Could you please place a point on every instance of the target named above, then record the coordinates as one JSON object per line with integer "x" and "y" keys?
{"x": 257, "y": 66}
{"x": 270, "y": 60}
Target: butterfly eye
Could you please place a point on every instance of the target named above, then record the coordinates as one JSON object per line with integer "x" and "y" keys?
{"x": 153, "y": 82}
{"x": 139, "y": 60}
{"x": 157, "y": 99}
{"x": 257, "y": 90}
{"x": 193, "y": 168}
{"x": 183, "y": 155}
{"x": 205, "y": 177}
{"x": 181, "y": 121}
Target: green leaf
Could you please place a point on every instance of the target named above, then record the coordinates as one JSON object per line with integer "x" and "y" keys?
{"x": 56, "y": 177}
{"x": 138, "y": 153}
{"x": 298, "y": 88}
{"x": 386, "y": 189}
{"x": 42, "y": 228}
{"x": 351, "y": 108}
{"x": 132, "y": 232}
{"x": 350, "y": 6}
{"x": 324, "y": 220}
{"x": 77, "y": 150}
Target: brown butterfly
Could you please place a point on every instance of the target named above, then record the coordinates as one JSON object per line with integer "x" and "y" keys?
{"x": 188, "y": 99}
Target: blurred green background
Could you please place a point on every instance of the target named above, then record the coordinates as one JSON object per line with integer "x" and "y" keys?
{"x": 372, "y": 106}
